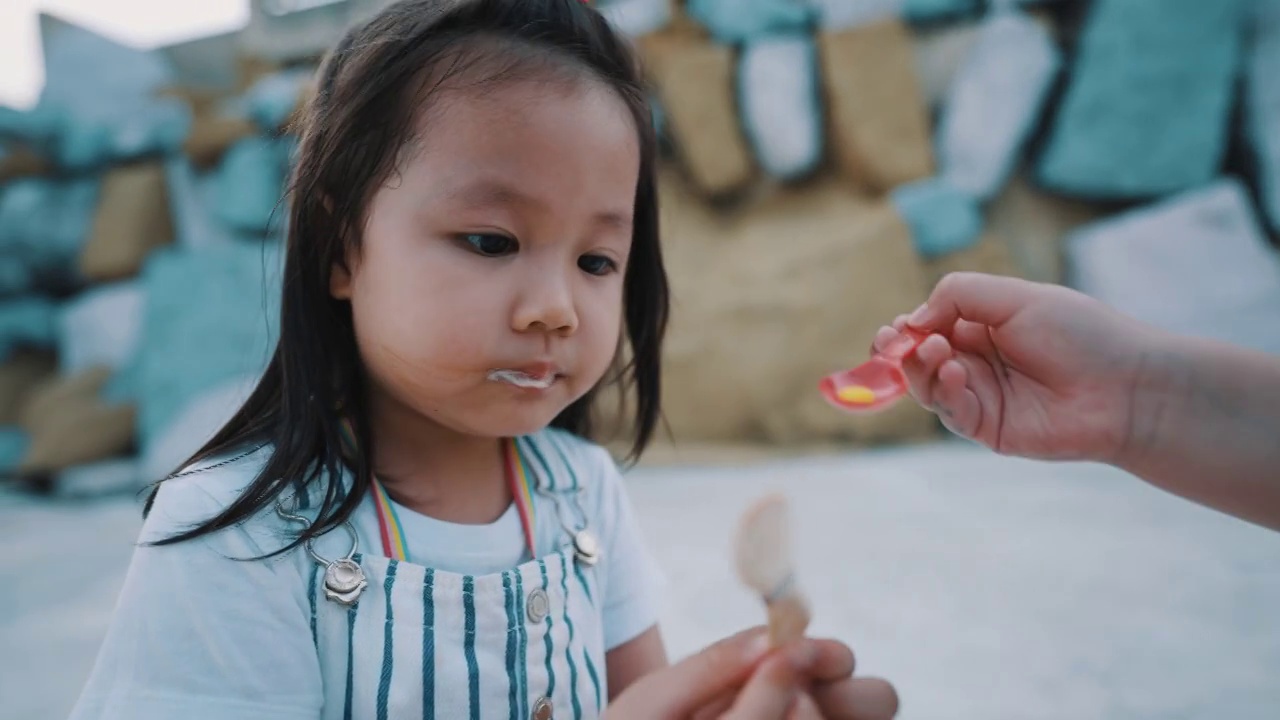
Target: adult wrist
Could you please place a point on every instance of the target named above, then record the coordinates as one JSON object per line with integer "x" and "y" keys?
{"x": 1159, "y": 401}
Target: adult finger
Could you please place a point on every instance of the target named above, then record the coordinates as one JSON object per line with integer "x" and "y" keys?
{"x": 679, "y": 689}
{"x": 975, "y": 338}
{"x": 955, "y": 403}
{"x": 856, "y": 699}
{"x": 815, "y": 659}
{"x": 978, "y": 297}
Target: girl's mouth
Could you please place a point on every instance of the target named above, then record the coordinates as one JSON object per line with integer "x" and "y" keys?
{"x": 522, "y": 379}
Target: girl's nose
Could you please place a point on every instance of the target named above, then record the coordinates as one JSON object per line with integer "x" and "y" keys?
{"x": 546, "y": 305}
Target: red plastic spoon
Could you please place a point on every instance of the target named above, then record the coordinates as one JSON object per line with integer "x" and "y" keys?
{"x": 877, "y": 383}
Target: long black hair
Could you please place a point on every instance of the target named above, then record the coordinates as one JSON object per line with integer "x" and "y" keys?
{"x": 369, "y": 91}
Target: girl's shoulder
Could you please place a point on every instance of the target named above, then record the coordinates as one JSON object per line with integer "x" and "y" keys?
{"x": 201, "y": 491}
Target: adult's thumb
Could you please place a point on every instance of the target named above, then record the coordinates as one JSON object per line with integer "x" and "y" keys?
{"x": 977, "y": 297}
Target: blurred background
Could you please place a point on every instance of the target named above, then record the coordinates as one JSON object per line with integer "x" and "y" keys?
{"x": 825, "y": 162}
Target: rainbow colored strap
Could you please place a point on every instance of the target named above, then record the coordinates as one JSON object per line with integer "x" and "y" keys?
{"x": 518, "y": 479}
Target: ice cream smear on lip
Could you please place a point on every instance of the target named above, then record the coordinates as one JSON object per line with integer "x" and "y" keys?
{"x": 524, "y": 379}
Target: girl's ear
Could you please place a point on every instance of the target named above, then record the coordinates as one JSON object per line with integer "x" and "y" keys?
{"x": 339, "y": 274}
{"x": 340, "y": 281}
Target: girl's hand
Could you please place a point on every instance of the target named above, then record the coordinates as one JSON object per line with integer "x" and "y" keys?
{"x": 1027, "y": 369}
{"x": 739, "y": 678}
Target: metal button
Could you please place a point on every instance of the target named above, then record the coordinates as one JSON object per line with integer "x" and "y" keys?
{"x": 538, "y": 606}
{"x": 542, "y": 709}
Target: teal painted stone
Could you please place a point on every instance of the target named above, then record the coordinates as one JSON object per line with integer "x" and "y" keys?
{"x": 250, "y": 184}
{"x": 27, "y": 322}
{"x": 736, "y": 21}
{"x": 942, "y": 219}
{"x": 210, "y": 315}
{"x": 1148, "y": 106}
{"x": 44, "y": 223}
{"x": 1262, "y": 105}
{"x": 934, "y": 11}
{"x": 13, "y": 446}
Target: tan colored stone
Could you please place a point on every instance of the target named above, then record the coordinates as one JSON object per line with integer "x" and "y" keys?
{"x": 211, "y": 135}
{"x": 24, "y": 370}
{"x": 132, "y": 219}
{"x": 879, "y": 118}
{"x": 69, "y": 423}
{"x": 939, "y": 53}
{"x": 1033, "y": 223}
{"x": 20, "y": 161}
{"x": 991, "y": 255}
{"x": 694, "y": 79}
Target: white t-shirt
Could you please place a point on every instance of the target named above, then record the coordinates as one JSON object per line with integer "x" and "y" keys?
{"x": 201, "y": 633}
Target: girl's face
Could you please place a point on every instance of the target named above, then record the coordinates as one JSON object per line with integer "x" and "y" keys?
{"x": 487, "y": 293}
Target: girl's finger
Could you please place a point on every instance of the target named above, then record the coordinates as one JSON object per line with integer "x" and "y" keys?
{"x": 805, "y": 709}
{"x": 717, "y": 707}
{"x": 769, "y": 694}
{"x": 856, "y": 699}
{"x": 831, "y": 660}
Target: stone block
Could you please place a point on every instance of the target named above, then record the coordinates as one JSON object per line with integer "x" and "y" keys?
{"x": 1034, "y": 224}
{"x": 942, "y": 219}
{"x": 1262, "y": 104}
{"x": 781, "y": 112}
{"x": 100, "y": 327}
{"x": 132, "y": 219}
{"x": 994, "y": 103}
{"x": 1147, "y": 108}
{"x": 737, "y": 21}
{"x": 1196, "y": 264}
{"x": 694, "y": 80}
{"x": 879, "y": 122}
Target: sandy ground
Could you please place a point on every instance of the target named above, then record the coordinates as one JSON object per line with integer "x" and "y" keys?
{"x": 983, "y": 587}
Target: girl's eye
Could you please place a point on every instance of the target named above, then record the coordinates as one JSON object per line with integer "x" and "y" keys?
{"x": 596, "y": 264}
{"x": 491, "y": 245}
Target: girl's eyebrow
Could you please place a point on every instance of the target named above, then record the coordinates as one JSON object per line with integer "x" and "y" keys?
{"x": 489, "y": 193}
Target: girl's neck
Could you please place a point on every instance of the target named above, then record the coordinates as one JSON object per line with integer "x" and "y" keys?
{"x": 434, "y": 470}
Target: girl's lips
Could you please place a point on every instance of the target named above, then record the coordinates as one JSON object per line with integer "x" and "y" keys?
{"x": 535, "y": 378}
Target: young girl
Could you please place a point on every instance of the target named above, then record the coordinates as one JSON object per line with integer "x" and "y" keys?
{"x": 406, "y": 519}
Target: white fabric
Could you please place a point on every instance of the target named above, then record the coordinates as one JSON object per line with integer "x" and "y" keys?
{"x": 201, "y": 634}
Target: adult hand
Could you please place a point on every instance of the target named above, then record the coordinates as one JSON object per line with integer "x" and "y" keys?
{"x": 1028, "y": 369}
{"x": 739, "y": 678}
